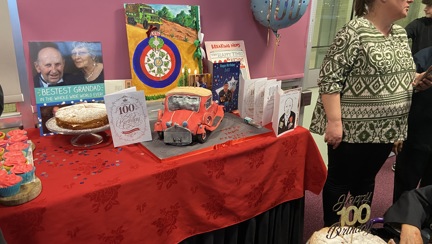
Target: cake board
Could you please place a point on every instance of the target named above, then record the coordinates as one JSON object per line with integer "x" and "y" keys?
{"x": 28, "y": 192}
{"x": 232, "y": 130}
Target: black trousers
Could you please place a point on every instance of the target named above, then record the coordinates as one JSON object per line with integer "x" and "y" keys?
{"x": 352, "y": 168}
{"x": 414, "y": 162}
{"x": 413, "y": 165}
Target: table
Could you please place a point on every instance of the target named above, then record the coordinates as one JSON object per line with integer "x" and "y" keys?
{"x": 123, "y": 195}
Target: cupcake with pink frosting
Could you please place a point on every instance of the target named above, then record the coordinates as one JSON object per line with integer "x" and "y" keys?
{"x": 26, "y": 171}
{"x": 9, "y": 154}
{"x": 11, "y": 162}
{"x": 15, "y": 132}
{"x": 17, "y": 138}
{"x": 18, "y": 146}
{"x": 9, "y": 184}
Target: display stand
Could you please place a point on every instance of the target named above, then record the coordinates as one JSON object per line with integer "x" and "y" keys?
{"x": 86, "y": 140}
{"x": 28, "y": 192}
{"x": 82, "y": 138}
{"x": 232, "y": 130}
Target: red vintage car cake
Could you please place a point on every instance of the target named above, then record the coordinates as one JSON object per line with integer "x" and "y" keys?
{"x": 189, "y": 115}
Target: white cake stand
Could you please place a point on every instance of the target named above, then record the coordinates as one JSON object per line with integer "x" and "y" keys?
{"x": 82, "y": 138}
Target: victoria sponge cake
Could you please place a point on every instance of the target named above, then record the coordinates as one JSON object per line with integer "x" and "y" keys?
{"x": 344, "y": 235}
{"x": 82, "y": 116}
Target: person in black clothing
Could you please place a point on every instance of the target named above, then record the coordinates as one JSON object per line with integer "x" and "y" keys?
{"x": 420, "y": 32}
{"x": 420, "y": 29}
{"x": 414, "y": 161}
{"x": 411, "y": 216}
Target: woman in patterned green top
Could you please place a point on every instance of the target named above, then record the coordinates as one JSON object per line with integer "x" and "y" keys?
{"x": 365, "y": 87}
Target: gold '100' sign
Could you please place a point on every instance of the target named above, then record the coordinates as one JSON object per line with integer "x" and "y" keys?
{"x": 345, "y": 214}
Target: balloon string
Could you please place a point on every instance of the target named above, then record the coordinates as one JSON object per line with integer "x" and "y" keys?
{"x": 274, "y": 53}
{"x": 268, "y": 36}
{"x": 269, "y": 9}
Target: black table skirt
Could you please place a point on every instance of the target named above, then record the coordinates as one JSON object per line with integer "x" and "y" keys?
{"x": 281, "y": 224}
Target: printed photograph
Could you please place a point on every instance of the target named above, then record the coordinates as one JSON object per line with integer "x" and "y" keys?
{"x": 65, "y": 72}
{"x": 66, "y": 63}
{"x": 200, "y": 80}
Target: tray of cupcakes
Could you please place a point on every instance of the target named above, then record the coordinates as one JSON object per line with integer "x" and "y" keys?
{"x": 18, "y": 183}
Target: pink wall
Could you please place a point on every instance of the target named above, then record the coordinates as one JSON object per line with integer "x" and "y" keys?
{"x": 102, "y": 20}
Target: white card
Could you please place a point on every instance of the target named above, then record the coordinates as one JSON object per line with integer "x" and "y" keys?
{"x": 286, "y": 110}
{"x": 128, "y": 117}
{"x": 271, "y": 87}
{"x": 259, "y": 88}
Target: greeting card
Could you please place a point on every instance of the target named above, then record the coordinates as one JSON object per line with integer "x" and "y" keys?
{"x": 228, "y": 51}
{"x": 286, "y": 110}
{"x": 270, "y": 89}
{"x": 128, "y": 117}
{"x": 225, "y": 85}
{"x": 259, "y": 87}
{"x": 247, "y": 96}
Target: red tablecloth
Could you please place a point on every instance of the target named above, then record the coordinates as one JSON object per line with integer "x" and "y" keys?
{"x": 122, "y": 195}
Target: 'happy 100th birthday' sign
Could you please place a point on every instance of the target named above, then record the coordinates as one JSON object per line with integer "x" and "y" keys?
{"x": 352, "y": 210}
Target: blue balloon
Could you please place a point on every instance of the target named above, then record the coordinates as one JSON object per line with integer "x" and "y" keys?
{"x": 278, "y": 14}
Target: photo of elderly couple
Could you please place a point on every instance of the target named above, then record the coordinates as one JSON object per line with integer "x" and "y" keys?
{"x": 66, "y": 63}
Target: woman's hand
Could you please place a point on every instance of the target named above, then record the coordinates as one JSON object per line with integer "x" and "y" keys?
{"x": 397, "y": 147}
{"x": 333, "y": 134}
{"x": 334, "y": 130}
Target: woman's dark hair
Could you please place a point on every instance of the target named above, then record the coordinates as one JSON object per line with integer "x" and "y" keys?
{"x": 427, "y": 2}
{"x": 361, "y": 7}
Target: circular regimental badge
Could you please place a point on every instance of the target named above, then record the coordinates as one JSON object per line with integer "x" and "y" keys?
{"x": 156, "y": 62}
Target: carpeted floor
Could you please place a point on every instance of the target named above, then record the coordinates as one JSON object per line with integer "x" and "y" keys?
{"x": 381, "y": 201}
